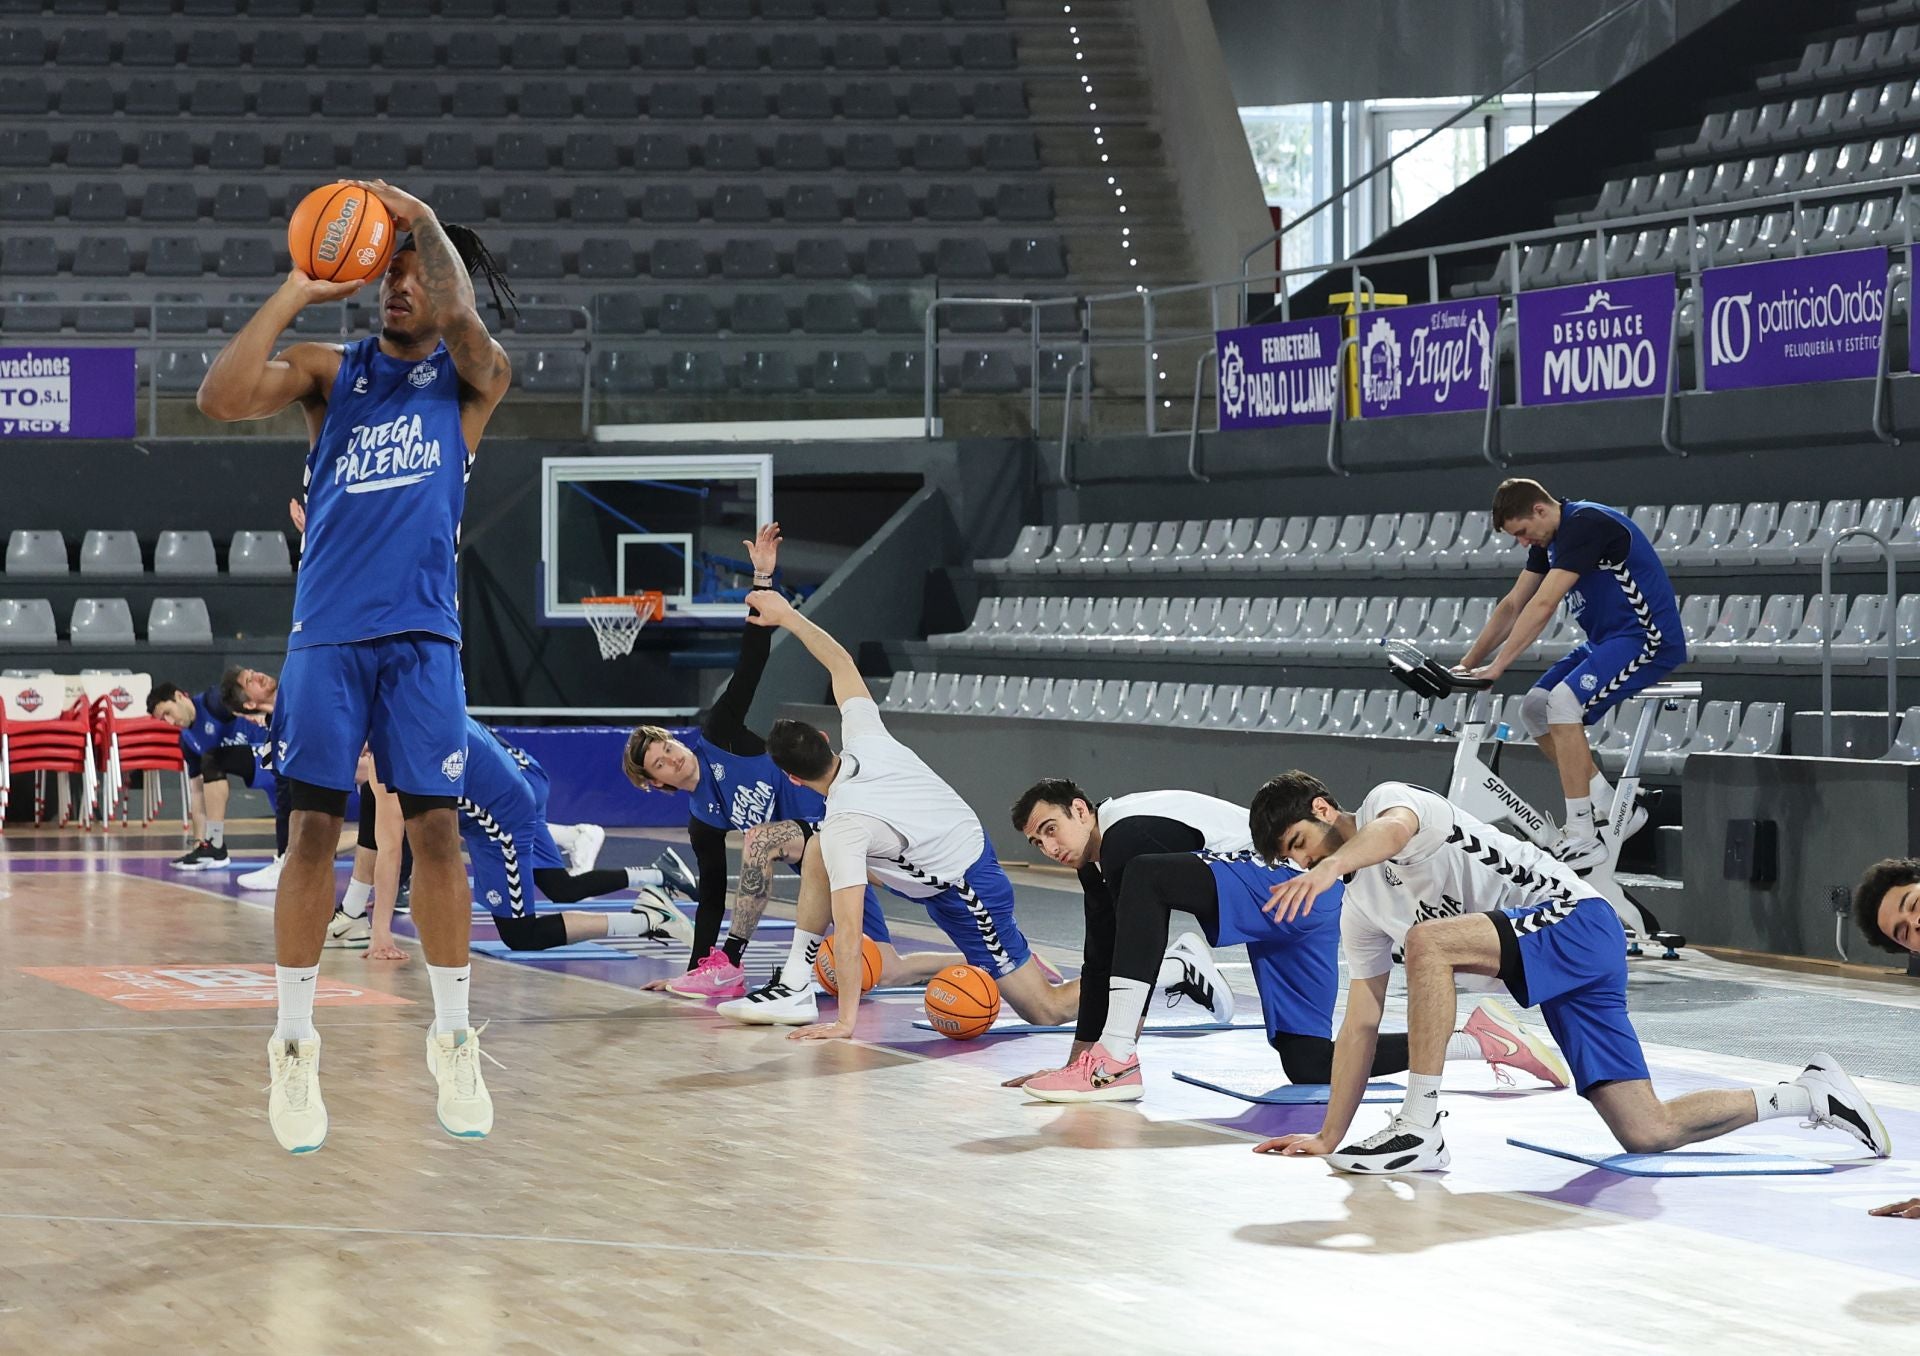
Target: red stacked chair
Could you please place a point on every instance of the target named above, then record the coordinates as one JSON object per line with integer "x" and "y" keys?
{"x": 127, "y": 740}
{"x": 41, "y": 733}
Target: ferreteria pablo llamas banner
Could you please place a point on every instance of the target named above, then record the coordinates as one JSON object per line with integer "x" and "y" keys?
{"x": 1272, "y": 375}
{"x": 1426, "y": 359}
{"x": 1786, "y": 321}
{"x": 1596, "y": 341}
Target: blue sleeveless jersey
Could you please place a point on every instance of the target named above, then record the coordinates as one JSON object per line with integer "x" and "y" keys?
{"x": 386, "y": 483}
{"x": 1614, "y": 597}
{"x": 737, "y": 792}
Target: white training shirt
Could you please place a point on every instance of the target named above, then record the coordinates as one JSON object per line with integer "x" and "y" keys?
{"x": 1453, "y": 865}
{"x": 1223, "y": 824}
{"x": 889, "y": 813}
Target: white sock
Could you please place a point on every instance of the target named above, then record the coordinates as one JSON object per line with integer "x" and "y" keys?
{"x": 638, "y": 876}
{"x": 1422, "y": 1106}
{"x": 563, "y": 835}
{"x": 296, "y": 984}
{"x": 1600, "y": 792}
{"x": 627, "y": 925}
{"x": 1126, "y": 1005}
{"x": 217, "y": 832}
{"x": 1580, "y": 817}
{"x": 354, "y": 903}
{"x": 1783, "y": 1099}
{"x": 449, "y": 998}
{"x": 1462, "y": 1046}
{"x": 799, "y": 963}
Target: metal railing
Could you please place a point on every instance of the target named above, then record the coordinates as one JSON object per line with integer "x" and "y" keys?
{"x": 1833, "y": 623}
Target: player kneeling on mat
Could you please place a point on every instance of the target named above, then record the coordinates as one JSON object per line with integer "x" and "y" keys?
{"x": 1886, "y": 905}
{"x": 1457, "y": 897}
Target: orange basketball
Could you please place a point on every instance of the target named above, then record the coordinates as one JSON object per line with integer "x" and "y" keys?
{"x": 962, "y": 1001}
{"x": 869, "y": 965}
{"x": 340, "y": 234}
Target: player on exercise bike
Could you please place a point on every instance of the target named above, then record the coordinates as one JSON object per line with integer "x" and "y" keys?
{"x": 1603, "y": 565}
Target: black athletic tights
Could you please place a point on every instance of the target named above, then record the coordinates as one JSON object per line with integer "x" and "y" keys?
{"x": 1155, "y": 887}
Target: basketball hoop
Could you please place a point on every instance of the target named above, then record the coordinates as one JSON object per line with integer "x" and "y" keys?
{"x": 616, "y": 622}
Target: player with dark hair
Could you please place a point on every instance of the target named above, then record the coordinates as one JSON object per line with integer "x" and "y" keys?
{"x": 890, "y": 819}
{"x": 1599, "y": 560}
{"x": 219, "y": 741}
{"x": 1143, "y": 857}
{"x": 1886, "y": 906}
{"x": 1459, "y": 897}
{"x": 394, "y": 421}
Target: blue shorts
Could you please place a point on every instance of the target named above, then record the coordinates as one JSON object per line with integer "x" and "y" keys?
{"x": 1296, "y": 966}
{"x": 1604, "y": 675}
{"x": 403, "y": 696}
{"x": 507, "y": 843}
{"x": 1571, "y": 962}
{"x": 977, "y": 914}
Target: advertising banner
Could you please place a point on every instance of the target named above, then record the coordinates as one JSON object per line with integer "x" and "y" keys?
{"x": 1273, "y": 375}
{"x": 1596, "y": 341}
{"x": 1426, "y": 359}
{"x": 1785, "y": 321}
{"x": 67, "y": 392}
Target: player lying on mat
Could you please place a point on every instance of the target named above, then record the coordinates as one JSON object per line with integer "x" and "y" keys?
{"x": 888, "y": 814}
{"x": 1425, "y": 878}
{"x": 1142, "y": 857}
{"x": 732, "y": 784}
{"x": 1886, "y": 906}
{"x": 503, "y": 822}
{"x": 219, "y": 740}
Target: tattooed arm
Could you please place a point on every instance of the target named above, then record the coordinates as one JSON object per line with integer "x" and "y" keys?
{"x": 482, "y": 364}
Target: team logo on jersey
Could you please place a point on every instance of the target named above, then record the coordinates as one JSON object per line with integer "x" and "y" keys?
{"x": 386, "y": 456}
{"x": 208, "y": 727}
{"x": 454, "y": 765}
{"x": 1588, "y": 682}
{"x": 360, "y": 384}
{"x": 29, "y": 700}
{"x": 282, "y": 747}
{"x": 422, "y": 376}
{"x": 1392, "y": 878}
{"x": 719, "y": 772}
{"x": 493, "y": 896}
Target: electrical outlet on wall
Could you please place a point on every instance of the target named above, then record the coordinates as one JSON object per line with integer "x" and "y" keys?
{"x": 1840, "y": 898}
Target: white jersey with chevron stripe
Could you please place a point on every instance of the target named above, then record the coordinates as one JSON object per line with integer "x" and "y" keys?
{"x": 891, "y": 814}
{"x": 1454, "y": 864}
{"x": 1220, "y": 822}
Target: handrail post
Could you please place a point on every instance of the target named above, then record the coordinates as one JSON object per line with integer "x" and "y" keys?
{"x": 1147, "y": 359}
{"x": 1826, "y": 635}
{"x": 1490, "y": 429}
{"x": 1883, "y": 372}
{"x": 1066, "y": 425}
{"x": 930, "y": 365}
{"x": 1033, "y": 367}
{"x": 1350, "y": 343}
{"x": 1670, "y": 399}
{"x": 1193, "y": 424}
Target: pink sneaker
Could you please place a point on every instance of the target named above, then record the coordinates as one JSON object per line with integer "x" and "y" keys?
{"x": 1094, "y": 1077}
{"x": 1507, "y": 1043}
{"x": 1053, "y": 975}
{"x": 714, "y": 977}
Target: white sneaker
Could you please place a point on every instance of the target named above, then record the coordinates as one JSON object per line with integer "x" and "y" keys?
{"x": 294, "y": 1108}
{"x": 1199, "y": 979}
{"x": 663, "y": 915}
{"x": 348, "y": 932}
{"x": 588, "y": 839}
{"x": 1636, "y": 819}
{"x": 1837, "y": 1104}
{"x": 465, "y": 1109}
{"x": 1404, "y": 1146}
{"x": 266, "y": 878}
{"x": 774, "y": 1005}
{"x": 1581, "y": 854}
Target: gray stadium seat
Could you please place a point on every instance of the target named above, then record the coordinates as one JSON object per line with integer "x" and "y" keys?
{"x": 872, "y": 152}
{"x": 28, "y": 148}
{"x": 894, "y": 257}
{"x": 27, "y": 624}
{"x": 953, "y": 202}
{"x": 803, "y": 99}
{"x": 242, "y": 203}
{"x": 29, "y": 256}
{"x": 32, "y": 200}
{"x": 696, "y": 373}
{"x": 100, "y": 623}
{"x": 795, "y": 51}
{"x": 179, "y": 622}
{"x": 86, "y": 97}
{"x": 260, "y": 554}
{"x": 26, "y": 95}
{"x": 165, "y": 149}
{"x": 522, "y": 152}
{"x": 769, "y": 373}
{"x": 941, "y": 153}
{"x": 84, "y": 47}
{"x": 247, "y": 257}
{"x": 963, "y": 257}
{"x": 821, "y": 258}
{"x": 742, "y": 99}
{"x": 385, "y": 152}
{"x": 934, "y": 101}
{"x": 552, "y": 371}
{"x": 620, "y": 313}
{"x": 152, "y": 97}
{"x": 148, "y": 47}
{"x": 801, "y": 152}
{"x": 598, "y": 203}
{"x": 308, "y": 150}
{"x": 106, "y": 313}
{"x": 606, "y": 258}
{"x": 831, "y": 313}
{"x": 749, "y": 260}
{"x": 816, "y": 203}
{"x": 735, "y": 151}
{"x": 535, "y": 257}
{"x": 988, "y": 372}
{"x": 449, "y": 152}
{"x": 882, "y": 202}
{"x": 622, "y": 372}
{"x": 669, "y": 202}
{"x": 589, "y": 153}
{"x": 180, "y": 371}
{"x": 185, "y": 553}
{"x": 842, "y": 374}
{"x": 530, "y": 203}
{"x": 30, "y": 312}
{"x": 102, "y": 257}
{"x": 230, "y": 150}
{"x": 869, "y": 101}
{"x": 727, "y": 51}
{"x": 1012, "y": 151}
{"x": 620, "y": 101}
{"x": 924, "y": 52}
{"x": 477, "y": 99}
{"x": 415, "y": 100}
{"x": 459, "y": 202}
{"x": 905, "y": 373}
{"x": 602, "y": 51}
{"x": 473, "y": 50}
{"x": 759, "y": 313}
{"x": 999, "y": 99}
{"x": 687, "y": 313}
{"x": 676, "y": 99}
{"x": 33, "y": 551}
{"x": 677, "y": 259}
{"x": 741, "y": 203}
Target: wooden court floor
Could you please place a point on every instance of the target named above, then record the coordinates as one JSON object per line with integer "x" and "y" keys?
{"x": 661, "y": 1181}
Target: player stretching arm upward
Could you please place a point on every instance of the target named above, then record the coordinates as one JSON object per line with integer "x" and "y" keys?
{"x": 374, "y": 654}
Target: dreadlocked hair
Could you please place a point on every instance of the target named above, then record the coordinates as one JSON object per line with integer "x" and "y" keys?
{"x": 475, "y": 257}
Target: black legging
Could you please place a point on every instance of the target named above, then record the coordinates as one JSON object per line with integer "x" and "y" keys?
{"x": 710, "y": 863}
{"x": 562, "y": 887}
{"x": 1156, "y": 886}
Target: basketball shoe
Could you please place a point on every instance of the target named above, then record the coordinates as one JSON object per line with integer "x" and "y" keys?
{"x": 1094, "y": 1077}
{"x": 588, "y": 839}
{"x": 349, "y": 933}
{"x": 266, "y": 878}
{"x": 1838, "y": 1105}
{"x": 774, "y": 1005}
{"x": 674, "y": 870}
{"x": 664, "y": 918}
{"x": 714, "y": 977}
{"x": 294, "y": 1108}
{"x": 1507, "y": 1043}
{"x": 464, "y": 1107}
{"x": 1404, "y": 1146}
{"x": 1188, "y": 972}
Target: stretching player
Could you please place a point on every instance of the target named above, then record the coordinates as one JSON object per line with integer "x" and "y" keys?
{"x": 252, "y": 694}
{"x": 1886, "y": 905}
{"x": 732, "y": 784}
{"x": 374, "y": 653}
{"x": 1599, "y": 560}
{"x": 889, "y": 816}
{"x": 1460, "y": 897}
{"x": 1144, "y": 856}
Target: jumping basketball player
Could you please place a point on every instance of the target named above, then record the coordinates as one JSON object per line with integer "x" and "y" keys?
{"x": 374, "y": 654}
{"x": 889, "y": 815}
{"x": 1599, "y": 560}
{"x": 1424, "y": 877}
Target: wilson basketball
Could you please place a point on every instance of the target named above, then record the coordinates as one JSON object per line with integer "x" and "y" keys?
{"x": 869, "y": 967}
{"x": 962, "y": 1001}
{"x": 340, "y": 233}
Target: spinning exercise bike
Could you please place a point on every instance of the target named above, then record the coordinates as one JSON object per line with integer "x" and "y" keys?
{"x": 1477, "y": 787}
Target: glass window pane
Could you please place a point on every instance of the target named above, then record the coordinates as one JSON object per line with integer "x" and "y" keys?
{"x": 1424, "y": 176}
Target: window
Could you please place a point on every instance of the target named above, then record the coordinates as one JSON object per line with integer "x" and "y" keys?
{"x": 1292, "y": 151}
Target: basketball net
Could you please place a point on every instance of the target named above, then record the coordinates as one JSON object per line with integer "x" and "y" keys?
{"x": 616, "y": 622}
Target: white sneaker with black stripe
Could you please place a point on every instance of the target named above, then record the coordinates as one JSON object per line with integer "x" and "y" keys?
{"x": 774, "y": 1005}
{"x": 1838, "y": 1105}
{"x": 1188, "y": 974}
{"x": 1404, "y": 1146}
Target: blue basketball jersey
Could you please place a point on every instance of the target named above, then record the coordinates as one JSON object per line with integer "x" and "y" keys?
{"x": 737, "y": 791}
{"x": 385, "y": 487}
{"x": 506, "y": 782}
{"x": 1623, "y": 589}
{"x": 213, "y": 725}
